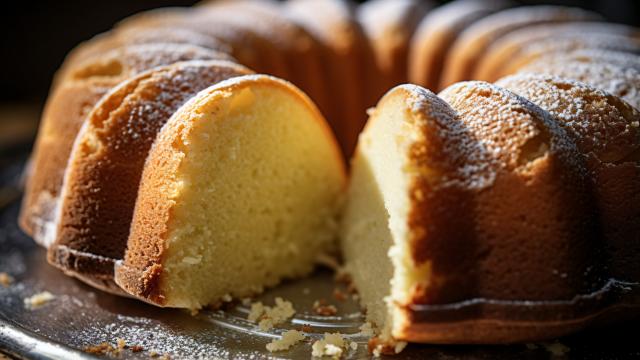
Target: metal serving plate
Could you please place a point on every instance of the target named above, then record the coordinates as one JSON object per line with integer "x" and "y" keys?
{"x": 81, "y": 316}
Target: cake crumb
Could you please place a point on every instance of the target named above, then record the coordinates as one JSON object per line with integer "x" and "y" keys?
{"x": 531, "y": 346}
{"x": 306, "y": 328}
{"x": 287, "y": 340}
{"x": 321, "y": 308}
{"x": 556, "y": 348}
{"x": 5, "y": 279}
{"x": 339, "y": 294}
{"x": 38, "y": 300}
{"x": 246, "y": 301}
{"x": 378, "y": 346}
{"x": 267, "y": 316}
{"x": 306, "y": 291}
{"x": 376, "y": 351}
{"x": 101, "y": 349}
{"x": 366, "y": 329}
{"x": 121, "y": 344}
{"x": 400, "y": 345}
{"x": 330, "y": 345}
{"x": 155, "y": 354}
{"x": 227, "y": 298}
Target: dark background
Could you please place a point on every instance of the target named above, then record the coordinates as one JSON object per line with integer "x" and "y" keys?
{"x": 37, "y": 35}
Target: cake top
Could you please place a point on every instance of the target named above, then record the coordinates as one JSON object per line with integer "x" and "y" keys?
{"x": 512, "y": 129}
{"x": 600, "y": 123}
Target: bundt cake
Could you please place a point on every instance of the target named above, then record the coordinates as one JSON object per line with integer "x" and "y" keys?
{"x": 239, "y": 190}
{"x": 173, "y": 164}
{"x": 109, "y": 154}
{"x": 438, "y": 184}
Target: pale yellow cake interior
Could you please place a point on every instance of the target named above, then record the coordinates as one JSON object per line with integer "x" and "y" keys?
{"x": 374, "y": 226}
{"x": 256, "y": 199}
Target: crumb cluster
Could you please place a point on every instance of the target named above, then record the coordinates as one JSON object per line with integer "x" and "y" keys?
{"x": 268, "y": 317}
{"x": 38, "y": 300}
{"x": 5, "y": 279}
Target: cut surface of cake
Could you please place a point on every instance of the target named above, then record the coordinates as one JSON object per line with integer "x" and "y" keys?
{"x": 92, "y": 222}
{"x": 240, "y": 190}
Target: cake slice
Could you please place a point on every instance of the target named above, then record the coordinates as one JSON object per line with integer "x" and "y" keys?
{"x": 240, "y": 190}
{"x": 452, "y": 204}
{"x": 101, "y": 181}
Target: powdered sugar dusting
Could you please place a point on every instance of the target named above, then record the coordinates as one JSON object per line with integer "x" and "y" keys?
{"x": 503, "y": 122}
{"x": 445, "y": 143}
{"x": 620, "y": 78}
{"x": 598, "y": 122}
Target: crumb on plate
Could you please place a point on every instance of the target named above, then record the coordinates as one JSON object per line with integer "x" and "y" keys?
{"x": 287, "y": 340}
{"x": 38, "y": 300}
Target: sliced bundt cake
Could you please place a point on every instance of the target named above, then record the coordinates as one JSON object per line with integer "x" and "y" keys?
{"x": 101, "y": 181}
{"x": 453, "y": 204}
{"x": 240, "y": 190}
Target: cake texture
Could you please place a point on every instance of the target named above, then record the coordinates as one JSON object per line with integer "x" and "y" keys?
{"x": 333, "y": 24}
{"x": 194, "y": 156}
{"x": 252, "y": 145}
{"x": 564, "y": 44}
{"x": 109, "y": 153}
{"x": 389, "y": 26}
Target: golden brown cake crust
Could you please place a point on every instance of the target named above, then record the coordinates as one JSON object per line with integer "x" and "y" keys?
{"x": 389, "y": 26}
{"x": 140, "y": 272}
{"x": 437, "y": 32}
{"x": 301, "y": 52}
{"x": 492, "y": 65}
{"x": 483, "y": 225}
{"x": 475, "y": 40}
{"x": 101, "y": 180}
{"x": 607, "y": 133}
{"x": 346, "y": 62}
{"x": 244, "y": 43}
{"x": 65, "y": 112}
